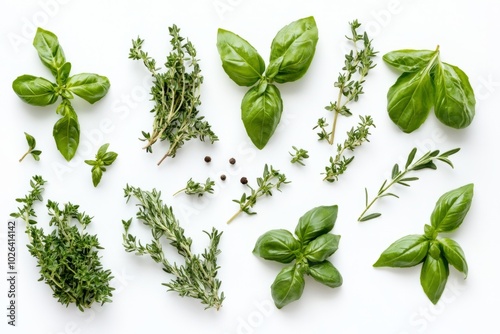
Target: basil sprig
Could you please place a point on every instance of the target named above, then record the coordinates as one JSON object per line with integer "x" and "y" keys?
{"x": 39, "y": 91}
{"x": 292, "y": 51}
{"x": 309, "y": 248}
{"x": 428, "y": 82}
{"x": 434, "y": 252}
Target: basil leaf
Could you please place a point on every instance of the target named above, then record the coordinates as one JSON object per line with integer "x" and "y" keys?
{"x": 322, "y": 247}
{"x": 288, "y": 286}
{"x": 277, "y": 245}
{"x": 433, "y": 277}
{"x": 407, "y": 60}
{"x": 325, "y": 273}
{"x": 67, "y": 131}
{"x": 240, "y": 60}
{"x": 454, "y": 255}
{"x": 108, "y": 158}
{"x": 405, "y": 252}
{"x": 295, "y": 44}
{"x": 454, "y": 102}
{"x": 410, "y": 99}
{"x": 36, "y": 91}
{"x": 31, "y": 140}
{"x": 63, "y": 73}
{"x": 96, "y": 175}
{"x": 315, "y": 222}
{"x": 451, "y": 208}
{"x": 50, "y": 52}
{"x": 261, "y": 113}
{"x": 90, "y": 87}
{"x": 102, "y": 150}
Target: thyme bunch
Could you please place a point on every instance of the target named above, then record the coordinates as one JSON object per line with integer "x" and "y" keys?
{"x": 197, "y": 188}
{"x": 197, "y": 278}
{"x": 176, "y": 94}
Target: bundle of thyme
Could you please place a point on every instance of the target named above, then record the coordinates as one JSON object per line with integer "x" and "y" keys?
{"x": 176, "y": 94}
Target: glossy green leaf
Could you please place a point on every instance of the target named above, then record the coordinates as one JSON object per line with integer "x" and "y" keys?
{"x": 405, "y": 252}
{"x": 454, "y": 101}
{"x": 96, "y": 175}
{"x": 294, "y": 47}
{"x": 320, "y": 248}
{"x": 277, "y": 245}
{"x": 325, "y": 273}
{"x": 454, "y": 255}
{"x": 288, "y": 286}
{"x": 240, "y": 60}
{"x": 451, "y": 208}
{"x": 315, "y": 222}
{"x": 31, "y": 140}
{"x": 261, "y": 113}
{"x": 50, "y": 52}
{"x": 66, "y": 131}
{"x": 407, "y": 60}
{"x": 433, "y": 277}
{"x": 35, "y": 90}
{"x": 63, "y": 74}
{"x": 90, "y": 87}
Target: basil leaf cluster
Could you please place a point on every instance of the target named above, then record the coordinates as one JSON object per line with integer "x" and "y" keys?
{"x": 103, "y": 159}
{"x": 39, "y": 91}
{"x": 434, "y": 252}
{"x": 428, "y": 82}
{"x": 309, "y": 250}
{"x": 292, "y": 51}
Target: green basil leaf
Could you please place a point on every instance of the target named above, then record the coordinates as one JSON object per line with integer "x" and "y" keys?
{"x": 433, "y": 277}
{"x": 451, "y": 208}
{"x": 35, "y": 90}
{"x": 96, "y": 175}
{"x": 109, "y": 158}
{"x": 102, "y": 150}
{"x": 296, "y": 45}
{"x": 455, "y": 102}
{"x": 63, "y": 74}
{"x": 31, "y": 140}
{"x": 410, "y": 100}
{"x": 315, "y": 222}
{"x": 90, "y": 87}
{"x": 325, "y": 273}
{"x": 50, "y": 52}
{"x": 67, "y": 131}
{"x": 454, "y": 255}
{"x": 405, "y": 252}
{"x": 261, "y": 113}
{"x": 322, "y": 247}
{"x": 240, "y": 60}
{"x": 407, "y": 60}
{"x": 277, "y": 245}
{"x": 288, "y": 286}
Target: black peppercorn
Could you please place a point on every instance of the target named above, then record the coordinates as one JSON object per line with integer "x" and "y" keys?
{"x": 223, "y": 177}
{"x": 232, "y": 161}
{"x": 208, "y": 159}
{"x": 244, "y": 180}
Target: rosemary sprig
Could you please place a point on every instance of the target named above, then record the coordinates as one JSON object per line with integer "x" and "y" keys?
{"x": 299, "y": 155}
{"x": 400, "y": 176}
{"x": 176, "y": 94}
{"x": 271, "y": 179}
{"x": 197, "y": 188}
{"x": 31, "y": 148}
{"x": 197, "y": 278}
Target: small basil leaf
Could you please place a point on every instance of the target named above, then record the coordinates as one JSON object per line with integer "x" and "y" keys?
{"x": 96, "y": 175}
{"x": 325, "y": 273}
{"x": 108, "y": 158}
{"x": 433, "y": 277}
{"x": 409, "y": 60}
{"x": 31, "y": 140}
{"x": 322, "y": 247}
{"x": 454, "y": 255}
{"x": 429, "y": 232}
{"x": 451, "y": 208}
{"x": 240, "y": 60}
{"x": 67, "y": 131}
{"x": 277, "y": 245}
{"x": 288, "y": 286}
{"x": 102, "y": 150}
{"x": 35, "y": 90}
{"x": 273, "y": 68}
{"x": 315, "y": 222}
{"x": 296, "y": 44}
{"x": 63, "y": 74}
{"x": 88, "y": 86}
{"x": 50, "y": 52}
{"x": 405, "y": 252}
{"x": 261, "y": 113}
{"x": 455, "y": 101}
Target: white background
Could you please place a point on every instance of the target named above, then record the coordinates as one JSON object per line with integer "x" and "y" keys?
{"x": 96, "y": 37}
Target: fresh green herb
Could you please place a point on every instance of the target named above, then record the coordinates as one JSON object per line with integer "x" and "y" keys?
{"x": 435, "y": 253}
{"x": 197, "y": 188}
{"x": 31, "y": 148}
{"x": 176, "y": 94}
{"x": 299, "y": 156}
{"x": 355, "y": 137}
{"x": 271, "y": 179}
{"x": 197, "y": 278}
{"x": 67, "y": 257}
{"x": 39, "y": 91}
{"x": 102, "y": 160}
{"x": 400, "y": 176}
{"x": 292, "y": 51}
{"x": 350, "y": 82}
{"x": 310, "y": 250}
{"x": 428, "y": 82}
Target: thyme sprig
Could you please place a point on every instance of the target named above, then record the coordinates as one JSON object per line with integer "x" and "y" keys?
{"x": 197, "y": 188}
{"x": 197, "y": 278}
{"x": 299, "y": 155}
